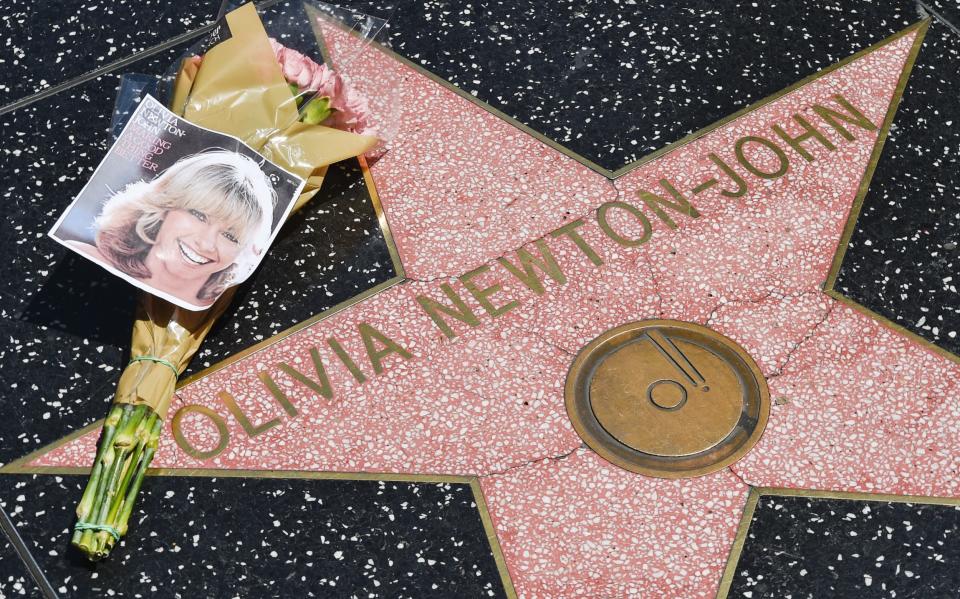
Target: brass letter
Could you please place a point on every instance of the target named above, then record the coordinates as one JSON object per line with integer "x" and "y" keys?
{"x": 855, "y": 117}
{"x": 809, "y": 132}
{"x": 570, "y": 230}
{"x": 322, "y": 387}
{"x": 223, "y": 432}
{"x": 741, "y": 184}
{"x": 346, "y": 359}
{"x": 463, "y": 313}
{"x": 624, "y": 241}
{"x": 780, "y": 154}
{"x": 251, "y": 430}
{"x": 389, "y": 346}
{"x": 483, "y": 295}
{"x": 529, "y": 276}
{"x": 682, "y": 205}
{"x": 277, "y": 393}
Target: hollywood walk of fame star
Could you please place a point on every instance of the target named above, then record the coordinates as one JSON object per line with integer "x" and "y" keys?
{"x": 856, "y": 406}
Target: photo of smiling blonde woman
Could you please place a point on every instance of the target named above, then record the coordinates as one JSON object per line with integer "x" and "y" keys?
{"x": 193, "y": 231}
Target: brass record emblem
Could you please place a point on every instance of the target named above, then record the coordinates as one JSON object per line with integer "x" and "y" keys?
{"x": 667, "y": 398}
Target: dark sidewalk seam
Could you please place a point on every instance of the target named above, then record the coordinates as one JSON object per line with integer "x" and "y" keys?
{"x": 939, "y": 17}
{"x": 107, "y": 68}
{"x": 25, "y": 556}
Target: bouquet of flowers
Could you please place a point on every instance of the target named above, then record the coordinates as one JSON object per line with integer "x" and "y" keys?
{"x": 297, "y": 114}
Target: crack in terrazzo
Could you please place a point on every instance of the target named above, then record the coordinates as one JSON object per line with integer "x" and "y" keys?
{"x": 748, "y": 301}
{"x": 539, "y": 337}
{"x": 810, "y": 333}
{"x": 445, "y": 277}
{"x": 738, "y": 476}
{"x": 534, "y": 461}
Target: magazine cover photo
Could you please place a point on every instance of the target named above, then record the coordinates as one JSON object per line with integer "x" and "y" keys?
{"x": 177, "y": 210}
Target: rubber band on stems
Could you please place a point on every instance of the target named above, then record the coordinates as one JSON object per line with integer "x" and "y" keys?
{"x": 166, "y": 363}
{"x": 88, "y": 526}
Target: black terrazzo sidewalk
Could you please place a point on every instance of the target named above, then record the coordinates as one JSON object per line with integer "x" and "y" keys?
{"x": 15, "y": 579}
{"x": 810, "y": 548}
{"x": 903, "y": 261}
{"x": 45, "y": 43}
{"x": 199, "y": 536}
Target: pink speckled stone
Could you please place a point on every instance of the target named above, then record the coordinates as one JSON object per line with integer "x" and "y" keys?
{"x": 460, "y": 185}
{"x": 606, "y": 532}
{"x": 857, "y": 406}
{"x": 595, "y": 298}
{"x": 771, "y": 328}
{"x": 865, "y": 410}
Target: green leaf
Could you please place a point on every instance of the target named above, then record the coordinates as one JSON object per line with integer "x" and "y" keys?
{"x": 317, "y": 111}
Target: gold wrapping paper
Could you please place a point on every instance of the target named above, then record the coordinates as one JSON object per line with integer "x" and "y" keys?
{"x": 169, "y": 333}
{"x": 238, "y": 89}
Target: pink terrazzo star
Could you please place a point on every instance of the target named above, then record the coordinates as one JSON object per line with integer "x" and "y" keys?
{"x": 856, "y": 406}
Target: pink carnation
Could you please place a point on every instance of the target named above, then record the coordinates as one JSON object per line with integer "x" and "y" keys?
{"x": 351, "y": 112}
{"x": 350, "y": 109}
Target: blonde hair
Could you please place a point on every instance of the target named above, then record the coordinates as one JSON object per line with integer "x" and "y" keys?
{"x": 226, "y": 186}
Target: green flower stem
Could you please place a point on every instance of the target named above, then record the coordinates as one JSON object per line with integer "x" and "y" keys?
{"x": 128, "y": 443}
{"x": 151, "y": 448}
{"x": 85, "y": 507}
{"x": 86, "y": 542}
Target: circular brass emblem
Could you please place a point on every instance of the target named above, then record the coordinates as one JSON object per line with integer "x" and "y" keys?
{"x": 667, "y": 398}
